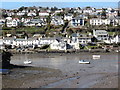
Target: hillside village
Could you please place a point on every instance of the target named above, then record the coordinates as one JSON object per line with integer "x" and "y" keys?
{"x": 60, "y": 28}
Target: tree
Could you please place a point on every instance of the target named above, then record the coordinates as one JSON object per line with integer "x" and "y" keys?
{"x": 21, "y": 8}
{"x": 6, "y": 58}
{"x": 65, "y": 26}
{"x": 79, "y": 8}
{"x": 70, "y": 31}
{"x": 94, "y": 39}
{"x": 88, "y": 7}
{"x": 103, "y": 14}
{"x": 48, "y": 22}
{"x": 54, "y": 8}
{"x": 60, "y": 14}
{"x": 4, "y": 15}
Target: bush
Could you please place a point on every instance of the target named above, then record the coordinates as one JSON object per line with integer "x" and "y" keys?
{"x": 45, "y": 47}
{"x": 6, "y": 58}
{"x": 6, "y": 28}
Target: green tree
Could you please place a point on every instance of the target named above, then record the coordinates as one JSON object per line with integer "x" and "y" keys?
{"x": 94, "y": 39}
{"x": 48, "y": 22}
{"x": 21, "y": 8}
{"x": 70, "y": 31}
{"x": 103, "y": 13}
{"x": 6, "y": 58}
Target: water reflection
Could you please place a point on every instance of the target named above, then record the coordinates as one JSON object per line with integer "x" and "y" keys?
{"x": 68, "y": 62}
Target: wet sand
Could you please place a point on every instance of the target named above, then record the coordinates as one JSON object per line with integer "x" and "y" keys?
{"x": 64, "y": 71}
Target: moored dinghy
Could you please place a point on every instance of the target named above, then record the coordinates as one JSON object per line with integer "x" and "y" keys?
{"x": 27, "y": 62}
{"x": 84, "y": 62}
{"x": 96, "y": 56}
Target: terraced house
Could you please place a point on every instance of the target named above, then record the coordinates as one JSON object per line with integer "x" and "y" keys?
{"x": 77, "y": 21}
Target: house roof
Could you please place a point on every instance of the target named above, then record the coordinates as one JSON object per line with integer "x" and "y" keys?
{"x": 43, "y": 12}
{"x": 78, "y": 17}
{"x": 101, "y": 32}
{"x": 35, "y": 21}
{"x": 75, "y": 35}
{"x": 9, "y": 18}
{"x": 8, "y": 38}
{"x": 29, "y": 39}
{"x": 48, "y": 39}
{"x": 20, "y": 39}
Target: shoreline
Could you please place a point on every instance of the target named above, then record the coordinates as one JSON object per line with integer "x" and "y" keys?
{"x": 56, "y": 79}
{"x": 62, "y": 70}
{"x": 60, "y": 52}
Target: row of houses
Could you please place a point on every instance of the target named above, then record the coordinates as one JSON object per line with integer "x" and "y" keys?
{"x": 56, "y": 20}
{"x": 82, "y": 15}
{"x": 45, "y": 12}
{"x": 61, "y": 43}
{"x": 54, "y": 43}
{"x": 109, "y": 21}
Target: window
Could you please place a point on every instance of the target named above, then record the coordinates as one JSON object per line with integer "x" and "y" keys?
{"x": 105, "y": 38}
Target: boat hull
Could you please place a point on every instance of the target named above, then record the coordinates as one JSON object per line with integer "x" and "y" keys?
{"x": 96, "y": 56}
{"x": 84, "y": 62}
{"x": 27, "y": 62}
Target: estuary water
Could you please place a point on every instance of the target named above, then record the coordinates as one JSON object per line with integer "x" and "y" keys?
{"x": 68, "y": 64}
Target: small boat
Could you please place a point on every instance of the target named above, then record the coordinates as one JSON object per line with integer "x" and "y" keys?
{"x": 96, "y": 56}
{"x": 116, "y": 50}
{"x": 84, "y": 62}
{"x": 27, "y": 62}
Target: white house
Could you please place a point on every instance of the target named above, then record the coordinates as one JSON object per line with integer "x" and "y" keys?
{"x": 79, "y": 10}
{"x": 25, "y": 42}
{"x": 88, "y": 10}
{"x": 25, "y": 10}
{"x": 108, "y": 21}
{"x": 81, "y": 38}
{"x": 101, "y": 35}
{"x": 68, "y": 17}
{"x": 1, "y": 44}
{"x": 25, "y": 20}
{"x": 99, "y": 10}
{"x": 115, "y": 39}
{"x": 56, "y": 20}
{"x": 73, "y": 44}
{"x": 20, "y": 13}
{"x": 10, "y": 13}
{"x": 112, "y": 13}
{"x": 84, "y": 40}
{"x": 31, "y": 14}
{"x": 12, "y": 22}
{"x": 21, "y": 42}
{"x": 58, "y": 11}
{"x": 8, "y": 40}
{"x": 99, "y": 21}
{"x": 34, "y": 22}
{"x": 58, "y": 45}
{"x": 46, "y": 41}
{"x": 43, "y": 14}
{"x": 77, "y": 21}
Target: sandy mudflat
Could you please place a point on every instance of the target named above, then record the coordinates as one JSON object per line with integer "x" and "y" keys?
{"x": 64, "y": 71}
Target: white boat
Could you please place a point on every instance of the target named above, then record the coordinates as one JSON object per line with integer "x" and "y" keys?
{"x": 116, "y": 50}
{"x": 27, "y": 62}
{"x": 96, "y": 56}
{"x": 84, "y": 62}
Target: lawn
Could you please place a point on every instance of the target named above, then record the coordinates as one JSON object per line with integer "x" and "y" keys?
{"x": 26, "y": 29}
{"x": 30, "y": 29}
